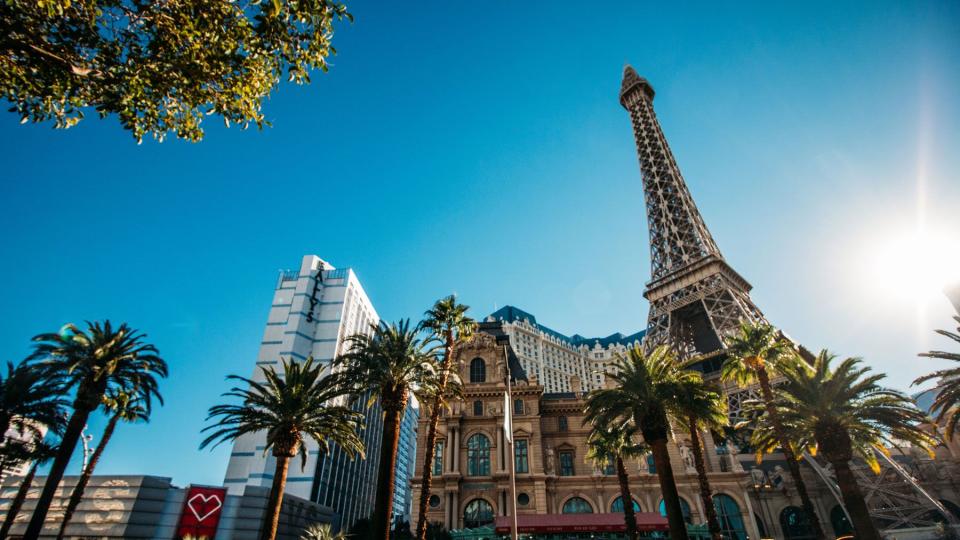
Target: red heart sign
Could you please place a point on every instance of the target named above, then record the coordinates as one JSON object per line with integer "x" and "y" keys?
{"x": 200, "y": 516}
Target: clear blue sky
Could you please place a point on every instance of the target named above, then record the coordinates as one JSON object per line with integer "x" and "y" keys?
{"x": 480, "y": 148}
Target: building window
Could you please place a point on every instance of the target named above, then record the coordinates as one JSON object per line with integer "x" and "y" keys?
{"x": 562, "y": 423}
{"x": 518, "y": 406}
{"x": 566, "y": 464}
{"x": 728, "y": 514}
{"x": 478, "y": 370}
{"x": 651, "y": 464}
{"x": 520, "y": 456}
{"x": 796, "y": 524}
{"x": 523, "y": 499}
{"x": 438, "y": 458}
{"x": 617, "y": 506}
{"x": 841, "y": 525}
{"x": 577, "y": 505}
{"x": 434, "y": 501}
{"x": 684, "y": 509}
{"x": 609, "y": 467}
{"x": 478, "y": 513}
{"x": 478, "y": 408}
{"x": 478, "y": 455}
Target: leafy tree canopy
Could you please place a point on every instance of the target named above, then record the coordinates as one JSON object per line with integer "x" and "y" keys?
{"x": 160, "y": 65}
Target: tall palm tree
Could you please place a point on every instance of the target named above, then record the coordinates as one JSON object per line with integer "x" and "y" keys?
{"x": 29, "y": 403}
{"x": 645, "y": 385}
{"x": 756, "y": 352}
{"x": 448, "y": 321}
{"x": 92, "y": 362}
{"x": 391, "y": 362}
{"x": 841, "y": 412}
{"x": 697, "y": 406}
{"x": 288, "y": 407}
{"x": 121, "y": 405}
{"x": 946, "y": 404}
{"x": 40, "y": 453}
{"x": 608, "y": 446}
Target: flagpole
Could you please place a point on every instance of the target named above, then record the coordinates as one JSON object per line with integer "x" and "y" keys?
{"x": 508, "y": 421}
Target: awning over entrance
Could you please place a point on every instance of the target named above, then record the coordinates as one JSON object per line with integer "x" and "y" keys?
{"x": 561, "y": 523}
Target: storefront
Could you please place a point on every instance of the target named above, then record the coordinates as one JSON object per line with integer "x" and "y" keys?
{"x": 580, "y": 526}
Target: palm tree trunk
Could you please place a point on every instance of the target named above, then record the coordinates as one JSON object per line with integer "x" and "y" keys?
{"x": 668, "y": 487}
{"x": 67, "y": 445}
{"x": 17, "y": 502}
{"x": 431, "y": 442}
{"x": 84, "y": 479}
{"x": 853, "y": 500}
{"x": 275, "y": 502}
{"x": 706, "y": 497}
{"x": 383, "y": 504}
{"x": 629, "y": 518}
{"x": 792, "y": 464}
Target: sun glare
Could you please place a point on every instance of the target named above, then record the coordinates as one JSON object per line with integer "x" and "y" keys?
{"x": 916, "y": 266}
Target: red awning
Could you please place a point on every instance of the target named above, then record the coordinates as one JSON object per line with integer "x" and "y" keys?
{"x": 556, "y": 523}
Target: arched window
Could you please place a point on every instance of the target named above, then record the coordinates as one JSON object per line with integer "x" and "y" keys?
{"x": 795, "y": 524}
{"x": 617, "y": 506}
{"x": 478, "y": 408}
{"x": 478, "y": 513}
{"x": 478, "y": 370}
{"x": 728, "y": 514}
{"x": 577, "y": 505}
{"x": 838, "y": 518}
{"x": 684, "y": 509}
{"x": 478, "y": 455}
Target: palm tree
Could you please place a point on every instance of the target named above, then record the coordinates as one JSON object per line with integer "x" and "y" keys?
{"x": 698, "y": 405}
{"x": 448, "y": 321}
{"x": 127, "y": 406}
{"x": 839, "y": 412}
{"x": 755, "y": 352}
{"x": 321, "y": 531}
{"x": 39, "y": 453}
{"x": 391, "y": 362}
{"x": 946, "y": 404}
{"x": 608, "y": 446}
{"x": 645, "y": 385}
{"x": 29, "y": 403}
{"x": 289, "y": 407}
{"x": 93, "y": 363}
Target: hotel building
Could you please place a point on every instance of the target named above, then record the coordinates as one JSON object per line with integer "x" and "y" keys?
{"x": 314, "y": 310}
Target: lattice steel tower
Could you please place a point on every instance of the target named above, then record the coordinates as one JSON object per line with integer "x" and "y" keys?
{"x": 695, "y": 297}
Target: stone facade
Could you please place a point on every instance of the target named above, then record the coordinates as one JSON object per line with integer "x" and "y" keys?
{"x": 553, "y": 477}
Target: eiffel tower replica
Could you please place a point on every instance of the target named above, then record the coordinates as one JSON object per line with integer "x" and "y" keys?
{"x": 696, "y": 298}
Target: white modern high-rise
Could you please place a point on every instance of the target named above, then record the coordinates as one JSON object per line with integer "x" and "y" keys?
{"x": 314, "y": 311}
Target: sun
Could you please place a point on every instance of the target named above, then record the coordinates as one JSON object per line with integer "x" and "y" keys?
{"x": 917, "y": 265}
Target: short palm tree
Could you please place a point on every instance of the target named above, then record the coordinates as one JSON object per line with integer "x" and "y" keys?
{"x": 289, "y": 407}
{"x": 700, "y": 406}
{"x": 946, "y": 404}
{"x": 321, "y": 531}
{"x": 644, "y": 386}
{"x": 754, "y": 353}
{"x": 39, "y": 453}
{"x": 29, "y": 403}
{"x": 608, "y": 446}
{"x": 842, "y": 412}
{"x": 91, "y": 362}
{"x": 449, "y": 323}
{"x": 391, "y": 362}
{"x": 120, "y": 405}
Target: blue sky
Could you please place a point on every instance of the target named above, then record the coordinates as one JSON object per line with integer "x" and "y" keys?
{"x": 480, "y": 148}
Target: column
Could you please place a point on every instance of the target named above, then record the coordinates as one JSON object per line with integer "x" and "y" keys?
{"x": 751, "y": 520}
{"x": 455, "y": 512}
{"x": 501, "y": 457}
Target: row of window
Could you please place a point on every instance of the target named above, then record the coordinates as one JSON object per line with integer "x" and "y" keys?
{"x": 478, "y": 458}
{"x": 517, "y": 407}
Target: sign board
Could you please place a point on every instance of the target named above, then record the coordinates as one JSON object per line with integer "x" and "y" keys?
{"x": 201, "y": 512}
